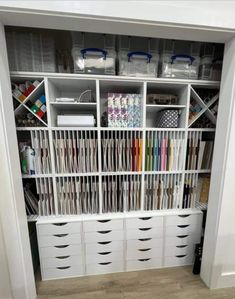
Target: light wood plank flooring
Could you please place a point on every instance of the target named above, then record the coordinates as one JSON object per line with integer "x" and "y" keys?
{"x": 171, "y": 283}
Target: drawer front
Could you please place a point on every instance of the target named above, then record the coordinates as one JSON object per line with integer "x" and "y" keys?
{"x": 183, "y": 230}
{"x": 194, "y": 219}
{"x": 148, "y": 232}
{"x": 59, "y": 239}
{"x": 110, "y": 224}
{"x": 178, "y": 260}
{"x": 179, "y": 250}
{"x": 142, "y": 264}
{"x": 62, "y": 250}
{"x": 144, "y": 253}
{"x": 101, "y": 268}
{"x": 182, "y": 240}
{"x": 104, "y": 246}
{"x": 59, "y": 228}
{"x": 143, "y": 222}
{"x": 61, "y": 272}
{"x": 106, "y": 235}
{"x": 144, "y": 243}
{"x": 63, "y": 261}
{"x": 104, "y": 256}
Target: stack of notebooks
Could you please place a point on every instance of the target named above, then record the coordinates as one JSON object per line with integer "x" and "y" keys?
{"x": 78, "y": 195}
{"x": 199, "y": 152}
{"x": 124, "y": 110}
{"x": 164, "y": 151}
{"x": 162, "y": 192}
{"x": 75, "y": 151}
{"x": 121, "y": 193}
{"x": 121, "y": 151}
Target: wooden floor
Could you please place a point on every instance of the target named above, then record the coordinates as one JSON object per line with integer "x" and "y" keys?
{"x": 173, "y": 283}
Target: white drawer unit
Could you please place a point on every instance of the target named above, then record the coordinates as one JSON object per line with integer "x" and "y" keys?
{"x": 182, "y": 240}
{"x": 62, "y": 261}
{"x": 143, "y": 253}
{"x": 144, "y": 243}
{"x": 179, "y": 250}
{"x": 142, "y": 264}
{"x": 103, "y": 235}
{"x": 193, "y": 219}
{"x": 183, "y": 229}
{"x": 107, "y": 224}
{"x": 62, "y": 272}
{"x": 59, "y": 239}
{"x": 104, "y": 256}
{"x": 104, "y": 246}
{"x": 106, "y": 267}
{"x": 144, "y": 222}
{"x": 61, "y": 250}
{"x": 178, "y": 260}
{"x": 59, "y": 228}
{"x": 147, "y": 232}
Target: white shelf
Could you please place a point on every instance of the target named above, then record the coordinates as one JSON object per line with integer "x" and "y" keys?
{"x": 78, "y": 174}
{"x": 164, "y": 172}
{"x": 156, "y": 108}
{"x": 198, "y": 171}
{"x": 201, "y": 129}
{"x": 35, "y": 176}
{"x": 120, "y": 129}
{"x": 165, "y": 129}
{"x": 74, "y": 128}
{"x": 31, "y": 128}
{"x": 73, "y": 104}
{"x": 111, "y": 173}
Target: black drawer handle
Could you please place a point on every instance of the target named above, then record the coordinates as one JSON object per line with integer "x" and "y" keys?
{"x": 60, "y": 235}
{"x": 181, "y": 256}
{"x": 145, "y": 229}
{"x": 63, "y": 268}
{"x": 183, "y": 226}
{"x": 143, "y": 260}
{"x": 146, "y": 249}
{"x": 62, "y": 246}
{"x": 103, "y": 264}
{"x": 145, "y": 239}
{"x": 59, "y": 224}
{"x": 184, "y": 216}
{"x": 104, "y": 221}
{"x": 104, "y": 253}
{"x": 62, "y": 257}
{"x": 181, "y": 246}
{"x": 104, "y": 231}
{"x": 105, "y": 243}
{"x": 145, "y": 218}
{"x": 182, "y": 237}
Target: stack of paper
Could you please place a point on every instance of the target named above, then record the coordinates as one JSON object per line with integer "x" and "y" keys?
{"x": 44, "y": 189}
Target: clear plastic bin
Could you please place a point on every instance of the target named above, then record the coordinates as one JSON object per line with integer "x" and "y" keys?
{"x": 93, "y": 53}
{"x": 179, "y": 59}
{"x": 138, "y": 56}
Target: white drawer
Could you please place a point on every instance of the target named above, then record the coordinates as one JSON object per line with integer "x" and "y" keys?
{"x": 142, "y": 264}
{"x": 144, "y": 253}
{"x": 148, "y": 232}
{"x": 101, "y": 268}
{"x": 105, "y": 256}
{"x": 182, "y": 240}
{"x": 109, "y": 224}
{"x": 59, "y": 239}
{"x": 106, "y": 235}
{"x": 61, "y": 250}
{"x": 104, "y": 246}
{"x": 194, "y": 219}
{"x": 179, "y": 250}
{"x": 63, "y": 261}
{"x": 59, "y": 228}
{"x": 144, "y": 243}
{"x": 143, "y": 222}
{"x": 61, "y": 272}
{"x": 178, "y": 260}
{"x": 183, "y": 230}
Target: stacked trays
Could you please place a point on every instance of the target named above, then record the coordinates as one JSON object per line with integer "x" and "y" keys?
{"x": 182, "y": 232}
{"x": 104, "y": 246}
{"x": 60, "y": 250}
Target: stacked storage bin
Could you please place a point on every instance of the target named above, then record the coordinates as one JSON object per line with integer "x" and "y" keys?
{"x": 138, "y": 56}
{"x": 179, "y": 59}
{"x": 93, "y": 53}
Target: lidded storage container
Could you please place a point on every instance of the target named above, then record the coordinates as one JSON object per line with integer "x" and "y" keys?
{"x": 138, "y": 56}
{"x": 179, "y": 59}
{"x": 93, "y": 53}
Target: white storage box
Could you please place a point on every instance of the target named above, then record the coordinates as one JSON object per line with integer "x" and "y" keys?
{"x": 180, "y": 60}
{"x": 138, "y": 56}
{"x": 75, "y": 120}
{"x": 93, "y": 53}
